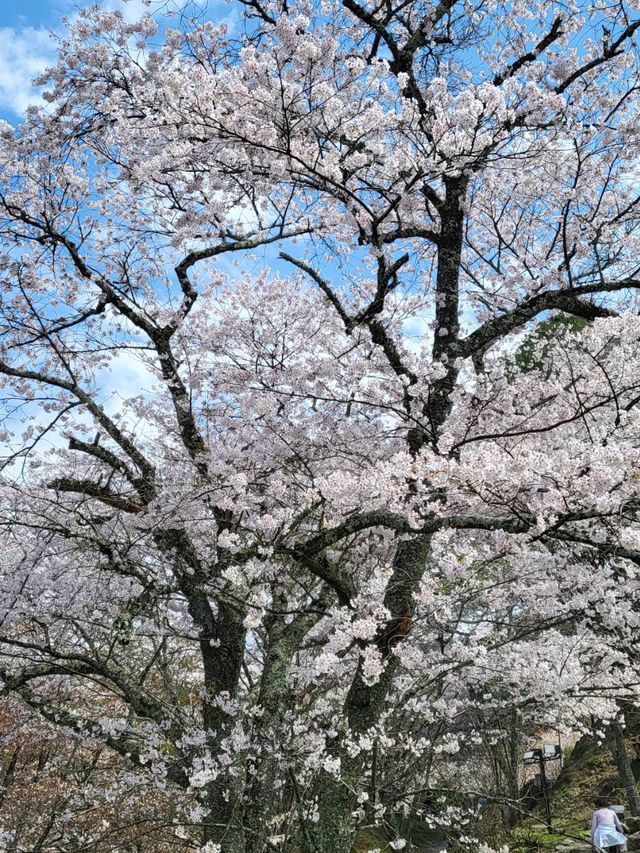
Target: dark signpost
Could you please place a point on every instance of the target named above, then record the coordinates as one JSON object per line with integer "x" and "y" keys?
{"x": 549, "y": 752}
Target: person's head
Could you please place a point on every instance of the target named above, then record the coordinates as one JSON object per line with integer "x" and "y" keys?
{"x": 602, "y": 802}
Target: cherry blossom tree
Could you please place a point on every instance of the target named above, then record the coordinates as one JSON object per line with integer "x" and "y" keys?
{"x": 335, "y": 514}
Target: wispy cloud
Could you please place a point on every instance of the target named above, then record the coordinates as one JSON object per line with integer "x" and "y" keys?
{"x": 24, "y": 54}
{"x": 131, "y": 9}
{"x": 26, "y": 51}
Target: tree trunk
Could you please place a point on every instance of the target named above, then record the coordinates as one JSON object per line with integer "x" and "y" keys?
{"x": 222, "y": 648}
{"x": 275, "y": 698}
{"x": 223, "y": 823}
{"x": 447, "y": 327}
{"x": 513, "y": 764}
{"x": 338, "y": 797}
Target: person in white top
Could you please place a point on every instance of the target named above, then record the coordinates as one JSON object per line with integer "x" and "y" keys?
{"x": 606, "y": 829}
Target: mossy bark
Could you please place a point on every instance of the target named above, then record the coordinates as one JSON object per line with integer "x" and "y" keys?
{"x": 275, "y": 698}
{"x": 222, "y": 647}
{"x": 338, "y": 796}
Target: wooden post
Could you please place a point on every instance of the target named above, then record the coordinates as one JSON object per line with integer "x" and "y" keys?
{"x": 545, "y": 789}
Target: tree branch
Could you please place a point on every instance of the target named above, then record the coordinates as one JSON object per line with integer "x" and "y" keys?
{"x": 554, "y": 33}
{"x": 238, "y": 244}
{"x": 613, "y": 49}
{"x": 146, "y": 468}
{"x": 91, "y": 489}
{"x": 562, "y": 300}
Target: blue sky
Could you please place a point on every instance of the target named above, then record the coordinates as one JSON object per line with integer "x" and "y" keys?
{"x": 35, "y": 13}
{"x": 26, "y": 46}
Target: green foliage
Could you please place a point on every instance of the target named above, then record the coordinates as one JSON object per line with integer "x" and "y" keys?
{"x": 590, "y": 771}
{"x": 533, "y": 352}
{"x": 532, "y": 837}
{"x": 371, "y": 838}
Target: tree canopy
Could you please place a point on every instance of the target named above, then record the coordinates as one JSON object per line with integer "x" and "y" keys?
{"x": 286, "y": 511}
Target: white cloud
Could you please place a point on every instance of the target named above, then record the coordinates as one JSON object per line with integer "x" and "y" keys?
{"x": 126, "y": 376}
{"x": 24, "y": 54}
{"x": 131, "y": 9}
{"x": 26, "y": 51}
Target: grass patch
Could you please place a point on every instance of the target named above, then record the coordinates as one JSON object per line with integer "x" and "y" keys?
{"x": 530, "y": 837}
{"x": 590, "y": 771}
{"x": 370, "y": 838}
{"x": 377, "y": 837}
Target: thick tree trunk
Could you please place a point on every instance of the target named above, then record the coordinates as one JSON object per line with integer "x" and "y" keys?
{"x": 335, "y": 831}
{"x": 447, "y": 327}
{"x": 222, "y": 646}
{"x": 262, "y": 797}
{"x": 338, "y": 797}
{"x": 223, "y": 823}
{"x": 222, "y": 638}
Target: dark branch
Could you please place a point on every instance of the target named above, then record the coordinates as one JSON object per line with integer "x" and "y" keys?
{"x": 610, "y": 50}
{"x": 91, "y": 489}
{"x": 561, "y": 300}
{"x": 554, "y": 33}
